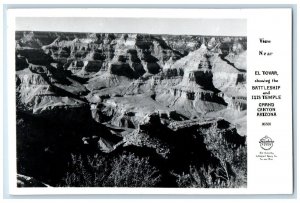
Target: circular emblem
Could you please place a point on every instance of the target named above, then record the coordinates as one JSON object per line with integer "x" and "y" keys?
{"x": 266, "y": 143}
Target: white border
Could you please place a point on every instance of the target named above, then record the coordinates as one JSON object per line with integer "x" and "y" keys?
{"x": 252, "y": 17}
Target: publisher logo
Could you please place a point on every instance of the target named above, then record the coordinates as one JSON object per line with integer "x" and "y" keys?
{"x": 266, "y": 143}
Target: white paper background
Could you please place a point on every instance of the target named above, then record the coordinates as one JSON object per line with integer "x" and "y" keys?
{"x": 263, "y": 177}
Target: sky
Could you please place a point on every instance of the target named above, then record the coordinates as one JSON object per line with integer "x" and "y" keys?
{"x": 222, "y": 27}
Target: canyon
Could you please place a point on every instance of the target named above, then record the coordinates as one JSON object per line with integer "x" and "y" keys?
{"x": 155, "y": 96}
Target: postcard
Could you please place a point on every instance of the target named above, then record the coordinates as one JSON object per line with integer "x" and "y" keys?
{"x": 150, "y": 101}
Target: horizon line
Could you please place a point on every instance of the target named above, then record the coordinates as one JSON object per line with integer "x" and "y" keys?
{"x": 143, "y": 33}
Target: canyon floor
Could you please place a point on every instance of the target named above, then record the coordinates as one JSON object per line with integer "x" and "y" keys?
{"x": 131, "y": 110}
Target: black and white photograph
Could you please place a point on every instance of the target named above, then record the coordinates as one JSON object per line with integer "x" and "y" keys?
{"x": 98, "y": 109}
